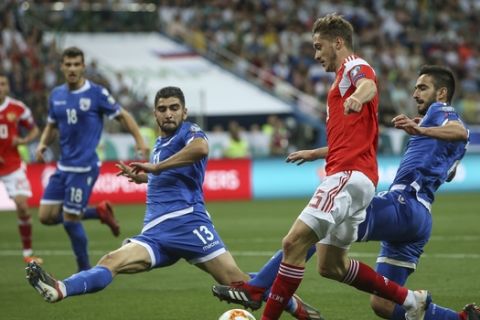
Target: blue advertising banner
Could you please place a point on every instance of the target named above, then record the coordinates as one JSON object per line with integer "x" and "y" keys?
{"x": 274, "y": 178}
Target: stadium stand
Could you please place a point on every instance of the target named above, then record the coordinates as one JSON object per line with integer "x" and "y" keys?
{"x": 266, "y": 42}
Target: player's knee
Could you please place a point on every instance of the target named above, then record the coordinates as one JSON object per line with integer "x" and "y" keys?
{"x": 48, "y": 216}
{"x": 22, "y": 206}
{"x": 22, "y": 211}
{"x": 289, "y": 244}
{"x": 331, "y": 272}
{"x": 109, "y": 261}
{"x": 45, "y": 219}
{"x": 326, "y": 272}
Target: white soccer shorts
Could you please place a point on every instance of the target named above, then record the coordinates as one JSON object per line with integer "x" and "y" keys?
{"x": 17, "y": 183}
{"x": 338, "y": 207}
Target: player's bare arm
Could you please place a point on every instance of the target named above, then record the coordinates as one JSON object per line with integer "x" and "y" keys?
{"x": 451, "y": 131}
{"x": 196, "y": 150}
{"x": 303, "y": 156}
{"x": 127, "y": 171}
{"x": 46, "y": 138}
{"x": 29, "y": 137}
{"x": 366, "y": 90}
{"x": 129, "y": 123}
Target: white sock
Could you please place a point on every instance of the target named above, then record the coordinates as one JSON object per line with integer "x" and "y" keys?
{"x": 62, "y": 288}
{"x": 410, "y": 301}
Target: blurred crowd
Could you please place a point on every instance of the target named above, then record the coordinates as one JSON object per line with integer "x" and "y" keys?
{"x": 265, "y": 40}
{"x": 32, "y": 62}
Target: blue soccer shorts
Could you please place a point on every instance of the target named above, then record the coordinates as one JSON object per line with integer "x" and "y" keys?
{"x": 401, "y": 223}
{"x": 73, "y": 189}
{"x": 191, "y": 237}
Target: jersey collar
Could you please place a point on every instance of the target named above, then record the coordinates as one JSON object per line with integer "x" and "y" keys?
{"x": 5, "y": 103}
{"x": 85, "y": 87}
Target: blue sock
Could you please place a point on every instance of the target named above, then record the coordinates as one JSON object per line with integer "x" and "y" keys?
{"x": 78, "y": 239}
{"x": 398, "y": 313}
{"x": 434, "y": 312}
{"x": 88, "y": 281}
{"x": 265, "y": 277}
{"x": 90, "y": 213}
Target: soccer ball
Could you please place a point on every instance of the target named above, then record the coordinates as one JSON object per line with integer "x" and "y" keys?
{"x": 237, "y": 314}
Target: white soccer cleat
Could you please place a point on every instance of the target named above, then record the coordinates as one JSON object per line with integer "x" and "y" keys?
{"x": 45, "y": 284}
{"x": 422, "y": 301}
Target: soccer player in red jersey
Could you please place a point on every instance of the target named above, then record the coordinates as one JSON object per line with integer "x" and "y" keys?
{"x": 332, "y": 216}
{"x": 13, "y": 115}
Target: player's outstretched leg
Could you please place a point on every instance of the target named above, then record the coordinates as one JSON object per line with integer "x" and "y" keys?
{"x": 106, "y": 216}
{"x": 83, "y": 282}
{"x": 48, "y": 287}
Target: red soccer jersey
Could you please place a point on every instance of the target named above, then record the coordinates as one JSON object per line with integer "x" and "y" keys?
{"x": 13, "y": 114}
{"x": 352, "y": 139}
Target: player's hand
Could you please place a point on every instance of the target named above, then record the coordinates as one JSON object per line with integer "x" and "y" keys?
{"x": 352, "y": 104}
{"x": 16, "y": 141}
{"x": 127, "y": 171}
{"x": 410, "y": 126}
{"x": 301, "y": 156}
{"x": 41, "y": 148}
{"x": 148, "y": 167}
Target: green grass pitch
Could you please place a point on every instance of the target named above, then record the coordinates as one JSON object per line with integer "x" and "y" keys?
{"x": 252, "y": 231}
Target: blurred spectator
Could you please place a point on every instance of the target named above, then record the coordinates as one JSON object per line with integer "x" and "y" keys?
{"x": 259, "y": 142}
{"x": 279, "y": 139}
{"x": 237, "y": 146}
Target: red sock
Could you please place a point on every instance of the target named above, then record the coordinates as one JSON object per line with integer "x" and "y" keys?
{"x": 286, "y": 283}
{"x": 25, "y": 230}
{"x": 364, "y": 278}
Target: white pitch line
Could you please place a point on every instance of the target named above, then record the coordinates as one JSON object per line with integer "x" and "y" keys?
{"x": 455, "y": 256}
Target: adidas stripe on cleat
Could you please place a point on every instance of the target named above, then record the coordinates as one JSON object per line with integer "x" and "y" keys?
{"x": 304, "y": 311}
{"x": 237, "y": 295}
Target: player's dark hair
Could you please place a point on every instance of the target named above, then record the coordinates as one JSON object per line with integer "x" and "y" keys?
{"x": 442, "y": 77}
{"x": 332, "y": 26}
{"x": 73, "y": 52}
{"x": 168, "y": 92}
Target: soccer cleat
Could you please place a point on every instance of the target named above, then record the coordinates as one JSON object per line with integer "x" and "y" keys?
{"x": 238, "y": 293}
{"x": 105, "y": 213}
{"x": 472, "y": 311}
{"x": 35, "y": 259}
{"x": 45, "y": 284}
{"x": 422, "y": 301}
{"x": 304, "y": 311}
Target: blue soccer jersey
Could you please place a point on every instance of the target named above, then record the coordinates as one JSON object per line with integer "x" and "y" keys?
{"x": 177, "y": 190}
{"x": 401, "y": 218}
{"x": 78, "y": 116}
{"x": 428, "y": 162}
